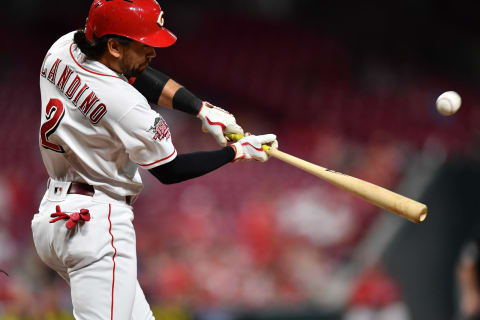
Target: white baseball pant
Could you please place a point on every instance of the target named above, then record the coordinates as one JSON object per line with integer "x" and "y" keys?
{"x": 97, "y": 258}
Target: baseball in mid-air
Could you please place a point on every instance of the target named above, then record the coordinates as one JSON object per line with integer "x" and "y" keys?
{"x": 448, "y": 103}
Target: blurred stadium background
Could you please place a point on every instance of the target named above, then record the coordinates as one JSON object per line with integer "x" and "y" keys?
{"x": 350, "y": 86}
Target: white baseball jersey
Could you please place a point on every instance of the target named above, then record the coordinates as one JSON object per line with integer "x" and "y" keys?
{"x": 95, "y": 127}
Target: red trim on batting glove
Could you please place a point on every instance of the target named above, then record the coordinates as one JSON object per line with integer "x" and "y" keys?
{"x": 249, "y": 144}
{"x": 201, "y": 108}
{"x": 216, "y": 124}
{"x": 236, "y": 151}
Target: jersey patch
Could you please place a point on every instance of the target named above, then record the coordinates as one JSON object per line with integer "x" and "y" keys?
{"x": 160, "y": 129}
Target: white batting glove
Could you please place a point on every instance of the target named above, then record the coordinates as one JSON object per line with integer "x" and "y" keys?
{"x": 218, "y": 122}
{"x": 250, "y": 147}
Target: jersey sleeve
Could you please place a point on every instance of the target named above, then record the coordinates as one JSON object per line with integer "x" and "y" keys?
{"x": 146, "y": 137}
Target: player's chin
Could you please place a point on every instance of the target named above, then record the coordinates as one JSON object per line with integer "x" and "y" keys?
{"x": 135, "y": 72}
{"x": 141, "y": 68}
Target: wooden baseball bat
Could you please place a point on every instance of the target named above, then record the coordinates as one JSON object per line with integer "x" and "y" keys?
{"x": 376, "y": 195}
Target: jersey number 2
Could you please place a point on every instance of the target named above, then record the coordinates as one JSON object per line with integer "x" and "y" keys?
{"x": 54, "y": 114}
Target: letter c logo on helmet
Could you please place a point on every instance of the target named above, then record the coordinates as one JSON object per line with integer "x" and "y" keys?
{"x": 139, "y": 20}
{"x": 161, "y": 20}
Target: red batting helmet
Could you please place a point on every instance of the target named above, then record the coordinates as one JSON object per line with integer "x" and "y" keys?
{"x": 139, "y": 20}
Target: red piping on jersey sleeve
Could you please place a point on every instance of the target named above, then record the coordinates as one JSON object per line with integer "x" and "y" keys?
{"x": 151, "y": 164}
{"x": 99, "y": 74}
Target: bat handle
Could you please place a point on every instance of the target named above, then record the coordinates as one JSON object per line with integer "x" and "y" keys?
{"x": 235, "y": 137}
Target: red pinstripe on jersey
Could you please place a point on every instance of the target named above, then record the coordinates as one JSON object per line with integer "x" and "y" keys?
{"x": 113, "y": 258}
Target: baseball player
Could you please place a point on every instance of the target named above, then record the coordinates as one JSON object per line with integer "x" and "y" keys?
{"x": 97, "y": 129}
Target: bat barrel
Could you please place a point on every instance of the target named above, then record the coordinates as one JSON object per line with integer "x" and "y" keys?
{"x": 417, "y": 212}
{"x": 376, "y": 195}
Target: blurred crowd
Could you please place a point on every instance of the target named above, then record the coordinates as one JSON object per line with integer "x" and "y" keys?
{"x": 250, "y": 236}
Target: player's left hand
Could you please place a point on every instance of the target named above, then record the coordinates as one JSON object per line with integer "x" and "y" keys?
{"x": 218, "y": 122}
{"x": 250, "y": 147}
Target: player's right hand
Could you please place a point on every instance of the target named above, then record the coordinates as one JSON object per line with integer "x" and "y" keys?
{"x": 250, "y": 147}
{"x": 218, "y": 122}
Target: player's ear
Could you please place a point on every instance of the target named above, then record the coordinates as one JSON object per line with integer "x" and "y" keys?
{"x": 114, "y": 48}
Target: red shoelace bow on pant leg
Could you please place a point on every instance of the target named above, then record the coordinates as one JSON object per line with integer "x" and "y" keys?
{"x": 73, "y": 218}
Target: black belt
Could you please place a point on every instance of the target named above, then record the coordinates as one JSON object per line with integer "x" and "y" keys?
{"x": 81, "y": 188}
{"x": 88, "y": 190}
